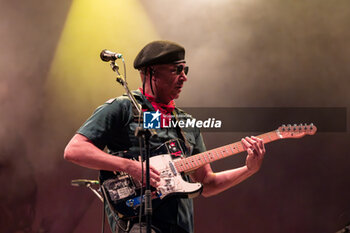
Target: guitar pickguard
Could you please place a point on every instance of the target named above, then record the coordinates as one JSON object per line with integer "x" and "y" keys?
{"x": 171, "y": 181}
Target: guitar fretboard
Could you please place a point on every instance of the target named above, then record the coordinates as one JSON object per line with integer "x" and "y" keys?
{"x": 193, "y": 162}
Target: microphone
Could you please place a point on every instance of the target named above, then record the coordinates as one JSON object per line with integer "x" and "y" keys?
{"x": 109, "y": 56}
{"x": 83, "y": 182}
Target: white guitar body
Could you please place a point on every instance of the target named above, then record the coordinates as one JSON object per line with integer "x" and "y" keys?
{"x": 171, "y": 181}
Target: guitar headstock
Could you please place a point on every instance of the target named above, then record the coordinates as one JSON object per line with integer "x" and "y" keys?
{"x": 296, "y": 131}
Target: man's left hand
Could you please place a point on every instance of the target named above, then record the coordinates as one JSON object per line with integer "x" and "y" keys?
{"x": 256, "y": 151}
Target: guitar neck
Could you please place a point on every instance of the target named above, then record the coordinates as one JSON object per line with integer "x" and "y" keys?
{"x": 193, "y": 162}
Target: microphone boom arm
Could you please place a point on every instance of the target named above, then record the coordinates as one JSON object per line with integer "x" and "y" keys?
{"x": 123, "y": 82}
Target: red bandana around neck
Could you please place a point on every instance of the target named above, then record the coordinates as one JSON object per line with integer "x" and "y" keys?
{"x": 165, "y": 109}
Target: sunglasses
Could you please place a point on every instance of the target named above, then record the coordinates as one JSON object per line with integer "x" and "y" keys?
{"x": 181, "y": 68}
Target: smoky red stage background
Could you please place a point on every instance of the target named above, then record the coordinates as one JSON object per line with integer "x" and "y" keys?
{"x": 241, "y": 54}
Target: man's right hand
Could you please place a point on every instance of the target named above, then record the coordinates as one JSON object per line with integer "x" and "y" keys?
{"x": 134, "y": 169}
{"x": 82, "y": 151}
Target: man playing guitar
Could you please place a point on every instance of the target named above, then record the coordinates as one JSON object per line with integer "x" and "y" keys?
{"x": 163, "y": 72}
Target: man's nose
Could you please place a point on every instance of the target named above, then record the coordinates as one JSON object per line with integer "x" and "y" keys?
{"x": 183, "y": 76}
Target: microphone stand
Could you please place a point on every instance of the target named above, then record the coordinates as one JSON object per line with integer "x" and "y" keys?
{"x": 144, "y": 134}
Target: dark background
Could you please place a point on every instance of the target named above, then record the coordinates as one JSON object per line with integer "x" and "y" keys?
{"x": 273, "y": 54}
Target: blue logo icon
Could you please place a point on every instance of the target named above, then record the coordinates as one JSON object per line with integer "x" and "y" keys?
{"x": 151, "y": 120}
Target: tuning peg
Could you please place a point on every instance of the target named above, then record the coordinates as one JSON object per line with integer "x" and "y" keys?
{"x": 300, "y": 126}
{"x": 311, "y": 125}
{"x": 288, "y": 127}
{"x": 283, "y": 127}
{"x": 295, "y": 127}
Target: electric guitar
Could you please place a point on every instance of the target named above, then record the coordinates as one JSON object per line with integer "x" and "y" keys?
{"x": 123, "y": 193}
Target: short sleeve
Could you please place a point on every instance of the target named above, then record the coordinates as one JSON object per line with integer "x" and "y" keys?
{"x": 108, "y": 119}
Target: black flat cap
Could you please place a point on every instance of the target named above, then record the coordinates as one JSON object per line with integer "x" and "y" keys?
{"x": 159, "y": 52}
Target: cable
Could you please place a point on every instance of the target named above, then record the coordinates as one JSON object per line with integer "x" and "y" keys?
{"x": 142, "y": 176}
{"x": 103, "y": 217}
{"x": 124, "y": 68}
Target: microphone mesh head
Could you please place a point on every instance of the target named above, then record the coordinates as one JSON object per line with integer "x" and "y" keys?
{"x": 103, "y": 56}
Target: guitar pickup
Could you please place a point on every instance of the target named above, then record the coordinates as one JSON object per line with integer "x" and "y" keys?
{"x": 171, "y": 165}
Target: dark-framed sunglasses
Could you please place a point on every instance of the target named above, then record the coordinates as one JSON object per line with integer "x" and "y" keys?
{"x": 181, "y": 68}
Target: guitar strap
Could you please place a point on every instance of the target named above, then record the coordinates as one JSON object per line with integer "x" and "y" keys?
{"x": 181, "y": 133}
{"x": 136, "y": 114}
